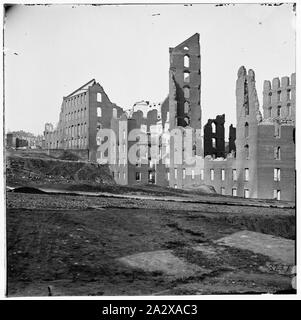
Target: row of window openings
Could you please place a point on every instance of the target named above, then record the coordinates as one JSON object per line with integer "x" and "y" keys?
{"x": 70, "y": 142}
{"x": 75, "y": 114}
{"x": 76, "y": 100}
{"x": 246, "y": 174}
{"x": 212, "y": 173}
{"x": 76, "y": 129}
{"x": 80, "y": 99}
{"x": 277, "y": 152}
{"x": 276, "y": 193}
{"x": 288, "y": 95}
{"x": 276, "y": 134}
{"x": 137, "y": 176}
{"x": 234, "y": 174}
{"x": 278, "y": 111}
{"x": 277, "y": 131}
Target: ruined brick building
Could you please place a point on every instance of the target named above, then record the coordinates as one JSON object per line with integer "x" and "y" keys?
{"x": 83, "y": 113}
{"x": 257, "y": 161}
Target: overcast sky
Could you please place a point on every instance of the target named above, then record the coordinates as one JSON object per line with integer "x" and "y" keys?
{"x": 52, "y": 50}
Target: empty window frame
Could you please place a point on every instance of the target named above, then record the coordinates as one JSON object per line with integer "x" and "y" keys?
{"x": 187, "y": 120}
{"x": 288, "y": 94}
{"x": 277, "y": 130}
{"x": 176, "y": 173}
{"x": 192, "y": 174}
{"x": 186, "y": 92}
{"x": 186, "y": 107}
{"x": 98, "y": 111}
{"x": 247, "y": 174}
{"x": 223, "y": 174}
{"x": 269, "y": 112}
{"x": 246, "y": 193}
{"x": 234, "y": 192}
{"x": 277, "y": 153}
{"x": 234, "y": 174}
{"x": 277, "y": 174}
{"x": 211, "y": 174}
{"x": 277, "y": 194}
{"x": 184, "y": 173}
{"x": 213, "y": 127}
{"x": 247, "y": 151}
{"x": 288, "y": 110}
{"x": 202, "y": 174}
{"x": 138, "y": 176}
{"x": 99, "y": 97}
{"x": 213, "y": 142}
{"x": 186, "y": 77}
{"x": 186, "y": 61}
{"x": 278, "y": 111}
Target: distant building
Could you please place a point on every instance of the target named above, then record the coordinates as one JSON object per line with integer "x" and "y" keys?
{"x": 22, "y": 139}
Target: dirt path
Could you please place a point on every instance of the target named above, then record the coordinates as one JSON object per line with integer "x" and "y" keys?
{"x": 75, "y": 245}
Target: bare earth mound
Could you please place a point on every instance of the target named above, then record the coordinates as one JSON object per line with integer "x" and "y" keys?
{"x": 39, "y": 171}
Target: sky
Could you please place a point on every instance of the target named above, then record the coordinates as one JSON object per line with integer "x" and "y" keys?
{"x": 52, "y": 50}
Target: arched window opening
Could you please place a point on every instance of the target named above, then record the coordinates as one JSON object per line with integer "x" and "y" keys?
{"x": 186, "y": 107}
{"x": 99, "y": 97}
{"x": 246, "y": 130}
{"x": 186, "y": 76}
{"x": 186, "y": 61}
{"x": 186, "y": 92}
{"x": 186, "y": 48}
{"x": 98, "y": 112}
{"x": 213, "y": 126}
{"x": 269, "y": 112}
{"x": 187, "y": 120}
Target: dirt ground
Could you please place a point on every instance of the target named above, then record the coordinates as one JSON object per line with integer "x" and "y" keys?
{"x": 85, "y": 245}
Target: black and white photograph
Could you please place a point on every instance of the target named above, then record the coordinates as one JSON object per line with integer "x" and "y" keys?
{"x": 149, "y": 149}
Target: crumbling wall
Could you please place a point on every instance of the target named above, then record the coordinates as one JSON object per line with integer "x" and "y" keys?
{"x": 232, "y": 138}
{"x": 279, "y": 98}
{"x": 214, "y": 137}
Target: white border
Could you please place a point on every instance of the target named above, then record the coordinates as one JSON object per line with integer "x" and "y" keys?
{"x": 149, "y": 298}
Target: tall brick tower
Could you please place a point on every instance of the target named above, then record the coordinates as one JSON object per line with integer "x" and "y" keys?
{"x": 184, "y": 100}
{"x": 247, "y": 115}
{"x": 185, "y": 84}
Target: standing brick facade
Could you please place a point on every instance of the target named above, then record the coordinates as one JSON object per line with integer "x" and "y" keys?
{"x": 83, "y": 113}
